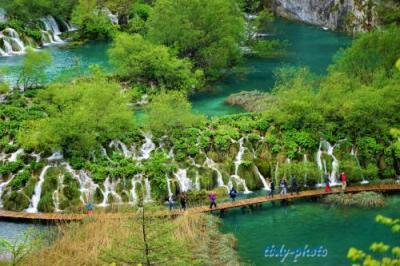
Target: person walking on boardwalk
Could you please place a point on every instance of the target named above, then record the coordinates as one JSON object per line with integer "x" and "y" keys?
{"x": 233, "y": 194}
{"x": 272, "y": 187}
{"x": 343, "y": 179}
{"x": 283, "y": 186}
{"x": 327, "y": 184}
{"x": 293, "y": 185}
{"x": 212, "y": 198}
{"x": 183, "y": 200}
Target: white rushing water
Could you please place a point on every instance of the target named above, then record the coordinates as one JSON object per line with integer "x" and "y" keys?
{"x": 238, "y": 162}
{"x": 14, "y": 155}
{"x": 184, "y": 182}
{"x": 137, "y": 179}
{"x": 33, "y": 205}
{"x": 354, "y": 154}
{"x": 109, "y": 189}
{"x": 3, "y": 185}
{"x": 51, "y": 33}
{"x": 213, "y": 166}
{"x": 122, "y": 146}
{"x": 113, "y": 17}
{"x": 56, "y": 156}
{"x": 327, "y": 148}
{"x": 12, "y": 43}
{"x": 56, "y": 193}
{"x": 147, "y": 148}
{"x": 147, "y": 186}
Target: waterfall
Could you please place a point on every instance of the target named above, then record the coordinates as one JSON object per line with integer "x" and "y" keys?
{"x": 169, "y": 187}
{"x": 56, "y": 193}
{"x": 56, "y": 156}
{"x": 37, "y": 192}
{"x": 213, "y": 166}
{"x": 197, "y": 181}
{"x": 320, "y": 164}
{"x": 120, "y": 145}
{"x": 354, "y": 154}
{"x": 109, "y": 189}
{"x": 136, "y": 179}
{"x": 12, "y": 43}
{"x": 113, "y": 17}
{"x": 14, "y": 155}
{"x": 2, "y": 187}
{"x": 51, "y": 32}
{"x": 266, "y": 186}
{"x": 69, "y": 26}
{"x": 184, "y": 182}
{"x": 146, "y": 148}
{"x": 237, "y": 163}
{"x": 147, "y": 185}
{"x": 86, "y": 185}
{"x": 335, "y": 164}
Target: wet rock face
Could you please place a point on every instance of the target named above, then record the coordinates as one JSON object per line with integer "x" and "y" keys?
{"x": 343, "y": 15}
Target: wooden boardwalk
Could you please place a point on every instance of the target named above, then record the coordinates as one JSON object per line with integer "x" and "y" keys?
{"x": 68, "y": 217}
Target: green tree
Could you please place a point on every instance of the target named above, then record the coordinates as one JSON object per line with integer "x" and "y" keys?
{"x": 93, "y": 23}
{"x": 170, "y": 111}
{"x": 33, "y": 71}
{"x": 80, "y": 116}
{"x": 141, "y": 61}
{"x": 207, "y": 32}
{"x": 384, "y": 255}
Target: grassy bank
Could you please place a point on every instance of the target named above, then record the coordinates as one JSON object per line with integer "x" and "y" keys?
{"x": 193, "y": 239}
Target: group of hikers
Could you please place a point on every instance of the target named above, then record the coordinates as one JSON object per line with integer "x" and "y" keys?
{"x": 283, "y": 184}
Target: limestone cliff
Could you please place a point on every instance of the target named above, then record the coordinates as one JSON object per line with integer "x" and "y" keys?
{"x": 343, "y": 15}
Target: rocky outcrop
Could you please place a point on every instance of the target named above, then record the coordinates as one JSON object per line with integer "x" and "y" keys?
{"x": 251, "y": 101}
{"x": 343, "y": 15}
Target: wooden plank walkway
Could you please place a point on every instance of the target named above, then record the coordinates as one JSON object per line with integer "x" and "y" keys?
{"x": 68, "y": 217}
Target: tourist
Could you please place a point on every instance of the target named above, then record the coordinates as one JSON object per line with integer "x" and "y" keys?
{"x": 183, "y": 200}
{"x": 272, "y": 186}
{"x": 327, "y": 184}
{"x": 343, "y": 179}
{"x": 293, "y": 185}
{"x": 233, "y": 194}
{"x": 170, "y": 202}
{"x": 212, "y": 198}
{"x": 89, "y": 208}
{"x": 283, "y": 185}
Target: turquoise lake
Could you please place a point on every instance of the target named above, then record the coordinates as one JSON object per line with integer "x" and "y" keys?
{"x": 315, "y": 224}
{"x": 309, "y": 46}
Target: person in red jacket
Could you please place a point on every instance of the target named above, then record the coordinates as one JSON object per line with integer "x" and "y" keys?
{"x": 343, "y": 179}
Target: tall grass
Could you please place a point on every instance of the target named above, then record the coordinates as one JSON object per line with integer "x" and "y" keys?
{"x": 363, "y": 199}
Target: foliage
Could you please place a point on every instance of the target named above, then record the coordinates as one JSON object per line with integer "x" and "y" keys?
{"x": 170, "y": 111}
{"x": 362, "y": 199}
{"x": 81, "y": 115}
{"x": 33, "y": 71}
{"x": 21, "y": 248}
{"x": 383, "y": 254}
{"x": 207, "y": 32}
{"x": 93, "y": 23}
{"x": 141, "y": 61}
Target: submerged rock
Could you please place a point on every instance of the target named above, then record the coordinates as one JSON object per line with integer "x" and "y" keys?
{"x": 251, "y": 101}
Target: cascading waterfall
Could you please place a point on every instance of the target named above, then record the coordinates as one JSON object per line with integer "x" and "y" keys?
{"x": 213, "y": 166}
{"x": 262, "y": 178}
{"x": 329, "y": 149}
{"x": 14, "y": 155}
{"x": 147, "y": 185}
{"x": 3, "y": 186}
{"x": 147, "y": 148}
{"x": 120, "y": 145}
{"x": 56, "y": 193}
{"x": 51, "y": 33}
{"x": 113, "y": 17}
{"x": 169, "y": 187}
{"x": 135, "y": 180}
{"x": 12, "y": 43}
{"x": 33, "y": 205}
{"x": 109, "y": 189}
{"x": 354, "y": 154}
{"x": 238, "y": 162}
{"x": 86, "y": 185}
{"x": 184, "y": 182}
{"x": 56, "y": 156}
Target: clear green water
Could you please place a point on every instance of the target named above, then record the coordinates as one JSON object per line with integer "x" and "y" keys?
{"x": 306, "y": 223}
{"x": 65, "y": 61}
{"x": 309, "y": 46}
